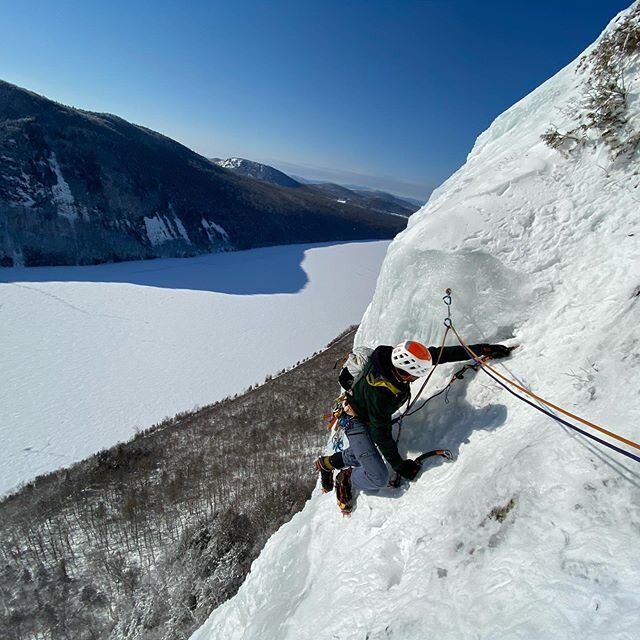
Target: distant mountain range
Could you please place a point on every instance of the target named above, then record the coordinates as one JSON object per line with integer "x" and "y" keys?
{"x": 367, "y": 198}
{"x": 78, "y": 187}
{"x": 415, "y": 202}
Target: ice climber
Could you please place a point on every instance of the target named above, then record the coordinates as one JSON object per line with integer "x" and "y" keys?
{"x": 371, "y": 399}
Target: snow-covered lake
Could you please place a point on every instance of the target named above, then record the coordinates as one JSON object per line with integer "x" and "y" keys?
{"x": 91, "y": 354}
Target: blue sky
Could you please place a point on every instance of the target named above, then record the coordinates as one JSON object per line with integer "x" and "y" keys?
{"x": 387, "y": 93}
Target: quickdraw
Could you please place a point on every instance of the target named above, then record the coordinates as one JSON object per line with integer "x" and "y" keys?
{"x": 336, "y": 412}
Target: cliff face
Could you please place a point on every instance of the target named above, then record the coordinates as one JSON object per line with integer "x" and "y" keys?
{"x": 82, "y": 188}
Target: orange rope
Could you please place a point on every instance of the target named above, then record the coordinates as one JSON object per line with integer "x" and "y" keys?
{"x": 631, "y": 443}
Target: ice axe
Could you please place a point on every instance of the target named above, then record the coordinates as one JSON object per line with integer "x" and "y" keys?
{"x": 443, "y": 453}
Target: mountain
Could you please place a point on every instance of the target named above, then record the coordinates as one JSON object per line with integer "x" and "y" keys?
{"x": 257, "y": 171}
{"x": 365, "y": 196}
{"x": 78, "y": 187}
{"x": 358, "y": 188}
{"x": 368, "y": 199}
{"x": 413, "y": 203}
{"x": 532, "y": 531}
{"x": 377, "y": 200}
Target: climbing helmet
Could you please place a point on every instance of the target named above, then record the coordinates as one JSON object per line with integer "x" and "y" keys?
{"x": 412, "y": 357}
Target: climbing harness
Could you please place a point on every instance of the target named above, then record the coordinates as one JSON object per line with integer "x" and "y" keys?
{"x": 504, "y": 381}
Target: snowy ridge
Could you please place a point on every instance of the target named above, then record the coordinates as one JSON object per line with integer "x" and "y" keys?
{"x": 533, "y": 531}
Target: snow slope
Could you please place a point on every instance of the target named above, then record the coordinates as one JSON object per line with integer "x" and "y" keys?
{"x": 533, "y": 531}
{"x": 90, "y": 354}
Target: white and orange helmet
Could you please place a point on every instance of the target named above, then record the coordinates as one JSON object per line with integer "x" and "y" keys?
{"x": 412, "y": 357}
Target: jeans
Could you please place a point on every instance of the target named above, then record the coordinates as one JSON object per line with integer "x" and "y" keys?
{"x": 369, "y": 470}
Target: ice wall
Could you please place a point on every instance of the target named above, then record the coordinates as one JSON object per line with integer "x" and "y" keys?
{"x": 533, "y": 531}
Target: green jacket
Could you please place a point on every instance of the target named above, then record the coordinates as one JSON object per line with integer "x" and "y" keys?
{"x": 379, "y": 393}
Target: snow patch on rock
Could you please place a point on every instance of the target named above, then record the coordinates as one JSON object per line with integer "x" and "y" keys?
{"x": 62, "y": 197}
{"x": 161, "y": 229}
{"x": 181, "y": 230}
{"x": 214, "y": 231}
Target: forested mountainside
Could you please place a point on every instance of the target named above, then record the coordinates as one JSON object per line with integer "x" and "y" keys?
{"x": 143, "y": 540}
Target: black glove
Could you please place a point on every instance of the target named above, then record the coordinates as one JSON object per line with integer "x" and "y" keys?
{"x": 409, "y": 469}
{"x": 496, "y": 351}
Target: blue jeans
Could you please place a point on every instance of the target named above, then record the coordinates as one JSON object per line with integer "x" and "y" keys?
{"x": 369, "y": 469}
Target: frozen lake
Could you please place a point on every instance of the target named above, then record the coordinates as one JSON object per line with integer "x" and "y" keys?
{"x": 92, "y": 354}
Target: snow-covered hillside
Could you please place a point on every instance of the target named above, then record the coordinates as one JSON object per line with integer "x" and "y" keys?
{"x": 91, "y": 354}
{"x": 533, "y": 531}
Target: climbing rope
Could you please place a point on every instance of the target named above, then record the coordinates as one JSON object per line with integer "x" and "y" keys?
{"x": 504, "y": 381}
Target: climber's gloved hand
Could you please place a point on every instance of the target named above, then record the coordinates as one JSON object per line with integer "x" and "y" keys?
{"x": 496, "y": 351}
{"x": 409, "y": 469}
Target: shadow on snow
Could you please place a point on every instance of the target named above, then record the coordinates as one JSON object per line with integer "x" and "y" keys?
{"x": 446, "y": 425}
{"x": 442, "y": 425}
{"x": 266, "y": 270}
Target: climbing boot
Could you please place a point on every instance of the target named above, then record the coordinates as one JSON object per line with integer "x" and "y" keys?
{"x": 324, "y": 468}
{"x": 344, "y": 494}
